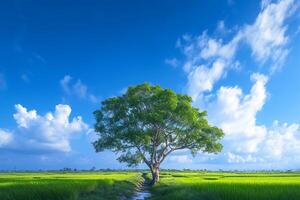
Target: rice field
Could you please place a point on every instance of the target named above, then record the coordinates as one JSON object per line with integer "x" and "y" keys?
{"x": 67, "y": 186}
{"x": 173, "y": 185}
{"x": 227, "y": 186}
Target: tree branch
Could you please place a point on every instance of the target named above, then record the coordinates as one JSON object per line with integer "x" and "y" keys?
{"x": 143, "y": 156}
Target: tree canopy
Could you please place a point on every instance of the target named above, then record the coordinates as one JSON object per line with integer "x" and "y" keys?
{"x": 147, "y": 123}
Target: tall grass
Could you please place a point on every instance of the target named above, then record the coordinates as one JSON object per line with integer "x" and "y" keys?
{"x": 69, "y": 186}
{"x": 227, "y": 186}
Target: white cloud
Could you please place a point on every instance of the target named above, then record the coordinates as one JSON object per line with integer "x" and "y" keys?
{"x": 202, "y": 79}
{"x": 267, "y": 36}
{"x": 23, "y": 117}
{"x": 180, "y": 159}
{"x": 208, "y": 59}
{"x": 234, "y": 158}
{"x": 77, "y": 88}
{"x": 236, "y": 112}
{"x": 283, "y": 140}
{"x": 51, "y": 132}
{"x": 265, "y": 3}
{"x": 246, "y": 141}
{"x": 5, "y": 137}
{"x": 280, "y": 147}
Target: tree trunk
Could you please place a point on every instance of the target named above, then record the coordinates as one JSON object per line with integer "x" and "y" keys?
{"x": 155, "y": 175}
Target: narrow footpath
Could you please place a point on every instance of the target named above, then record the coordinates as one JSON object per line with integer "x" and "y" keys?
{"x": 143, "y": 191}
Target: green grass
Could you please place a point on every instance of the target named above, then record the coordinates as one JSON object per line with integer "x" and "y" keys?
{"x": 227, "y": 186}
{"x": 67, "y": 186}
{"x": 173, "y": 186}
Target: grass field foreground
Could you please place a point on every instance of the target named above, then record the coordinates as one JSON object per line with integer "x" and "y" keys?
{"x": 67, "y": 186}
{"x": 227, "y": 186}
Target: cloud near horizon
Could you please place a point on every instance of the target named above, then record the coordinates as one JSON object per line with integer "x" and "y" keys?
{"x": 37, "y": 134}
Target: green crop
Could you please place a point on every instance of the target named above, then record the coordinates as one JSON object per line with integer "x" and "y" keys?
{"x": 173, "y": 186}
{"x": 227, "y": 186}
{"x": 67, "y": 186}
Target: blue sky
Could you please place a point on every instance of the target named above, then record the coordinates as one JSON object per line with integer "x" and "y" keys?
{"x": 238, "y": 60}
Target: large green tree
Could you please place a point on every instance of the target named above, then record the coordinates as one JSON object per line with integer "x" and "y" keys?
{"x": 148, "y": 123}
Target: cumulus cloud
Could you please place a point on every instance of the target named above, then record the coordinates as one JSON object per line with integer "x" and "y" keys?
{"x": 236, "y": 112}
{"x": 77, "y": 88}
{"x": 208, "y": 59}
{"x": 51, "y": 132}
{"x": 24, "y": 117}
{"x": 245, "y": 140}
{"x": 280, "y": 146}
{"x": 282, "y": 141}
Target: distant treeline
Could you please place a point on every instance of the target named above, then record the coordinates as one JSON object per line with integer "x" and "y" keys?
{"x": 94, "y": 169}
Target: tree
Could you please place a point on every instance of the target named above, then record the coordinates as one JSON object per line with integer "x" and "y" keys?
{"x": 148, "y": 123}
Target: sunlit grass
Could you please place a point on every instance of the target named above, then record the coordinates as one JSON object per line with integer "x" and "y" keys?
{"x": 173, "y": 186}
{"x": 228, "y": 186}
{"x": 67, "y": 186}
